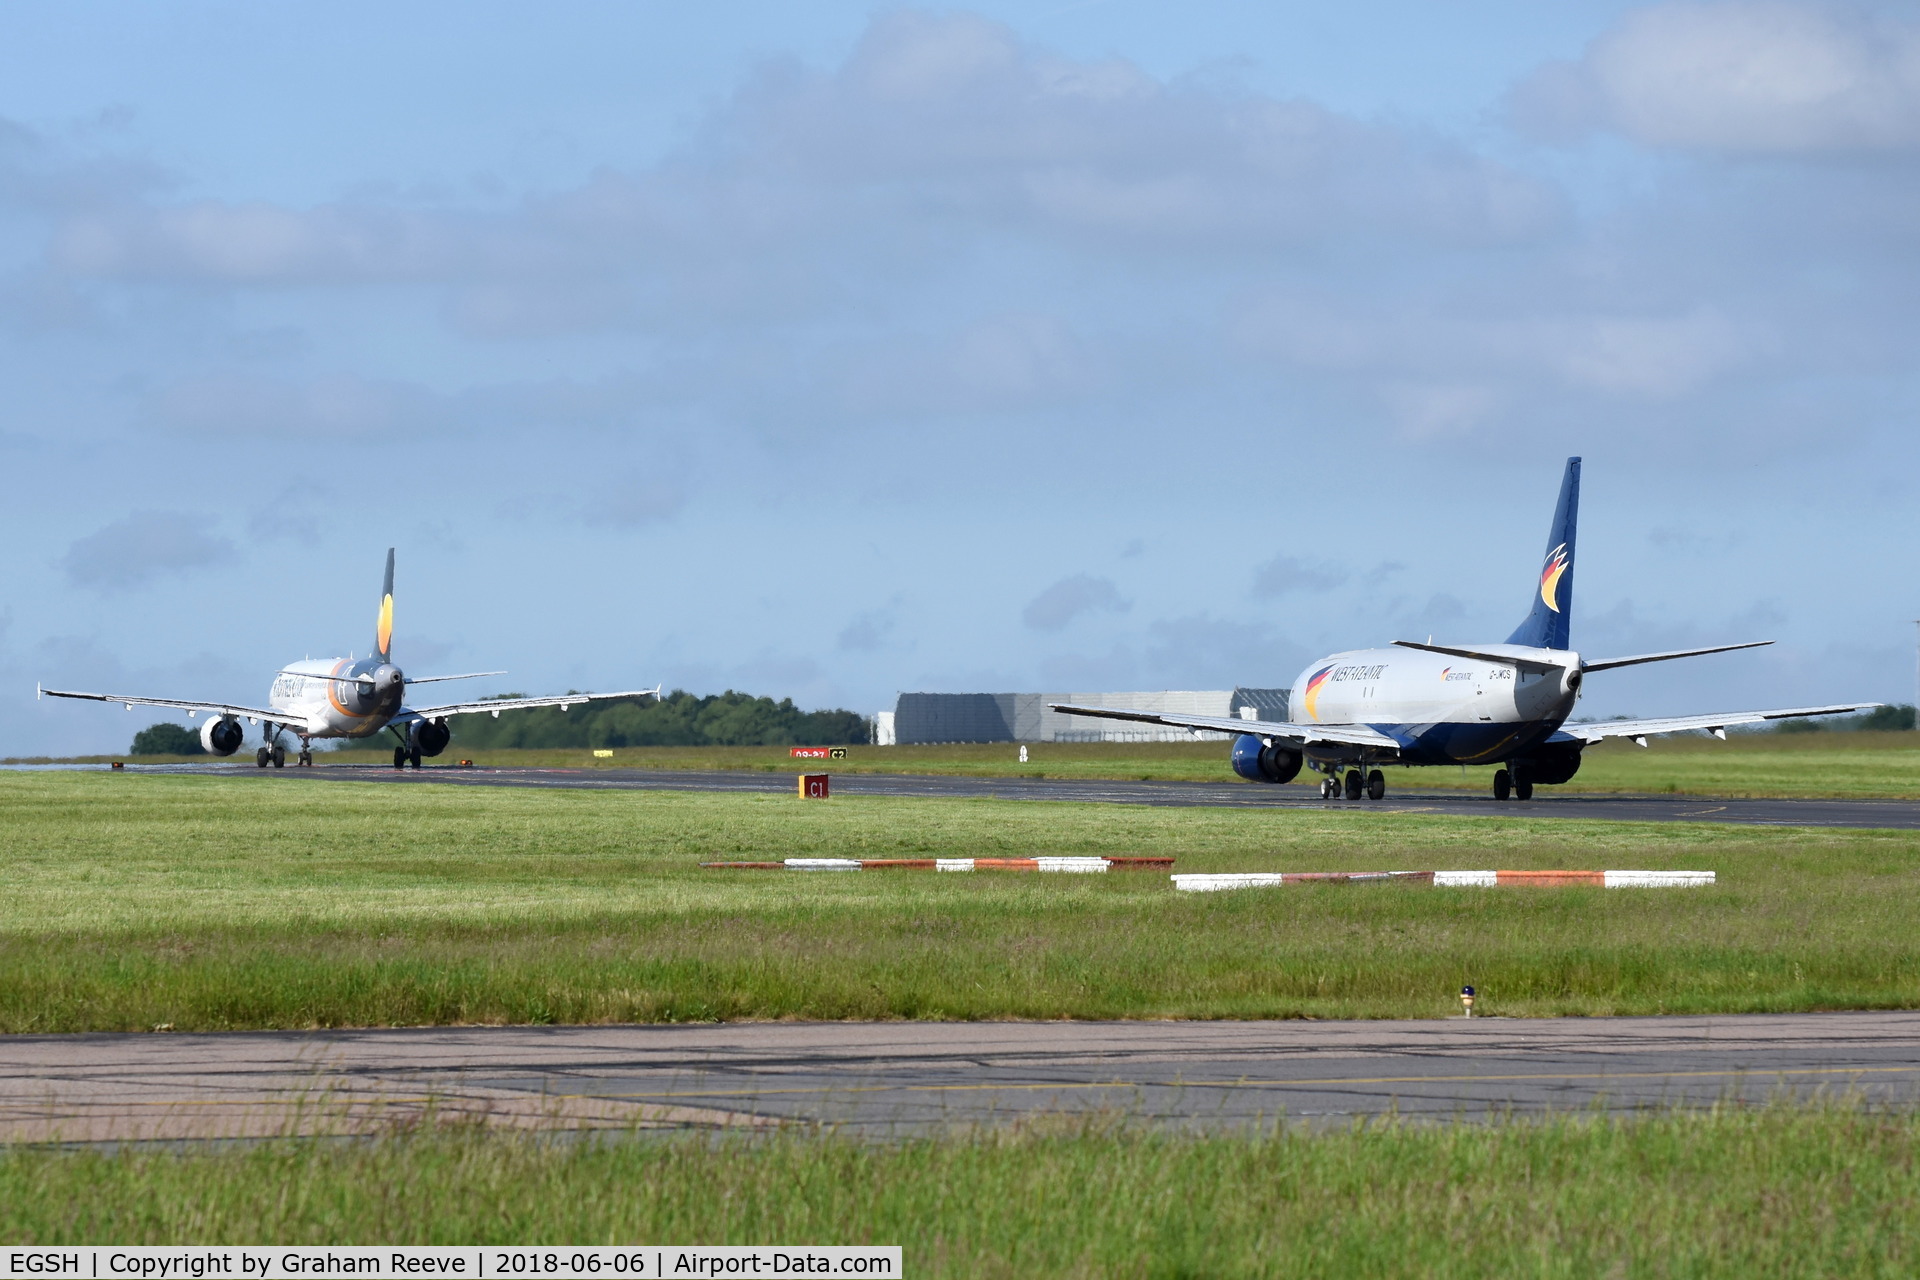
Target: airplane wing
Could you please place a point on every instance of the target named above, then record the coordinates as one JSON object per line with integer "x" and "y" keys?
{"x": 1714, "y": 724}
{"x": 497, "y": 705}
{"x": 176, "y": 704}
{"x": 1352, "y": 735}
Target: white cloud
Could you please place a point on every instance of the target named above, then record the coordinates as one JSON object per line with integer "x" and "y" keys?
{"x": 147, "y": 544}
{"x": 1283, "y": 574}
{"x": 1749, "y": 77}
{"x": 1071, "y": 597}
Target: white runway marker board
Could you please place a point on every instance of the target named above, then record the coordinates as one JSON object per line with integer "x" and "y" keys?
{"x": 1450, "y": 879}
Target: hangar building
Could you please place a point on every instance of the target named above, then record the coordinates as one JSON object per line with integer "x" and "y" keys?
{"x": 1024, "y": 717}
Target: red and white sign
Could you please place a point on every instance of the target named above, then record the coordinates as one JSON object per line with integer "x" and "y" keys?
{"x": 811, "y": 753}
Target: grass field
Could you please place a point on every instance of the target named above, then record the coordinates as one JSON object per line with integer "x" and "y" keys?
{"x": 1775, "y": 1191}
{"x": 136, "y": 900}
{"x": 1854, "y": 764}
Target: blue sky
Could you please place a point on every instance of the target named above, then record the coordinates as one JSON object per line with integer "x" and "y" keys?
{"x": 827, "y": 351}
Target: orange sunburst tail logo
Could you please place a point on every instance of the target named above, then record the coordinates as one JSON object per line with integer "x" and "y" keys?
{"x": 383, "y": 630}
{"x": 1550, "y": 575}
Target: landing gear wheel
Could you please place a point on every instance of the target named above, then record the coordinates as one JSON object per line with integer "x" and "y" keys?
{"x": 279, "y": 757}
{"x": 399, "y": 757}
{"x": 1329, "y": 789}
{"x": 306, "y": 759}
{"x": 413, "y": 758}
{"x": 261, "y": 757}
{"x": 1522, "y": 787}
{"x": 1354, "y": 784}
{"x": 1376, "y": 785}
{"x": 1502, "y": 784}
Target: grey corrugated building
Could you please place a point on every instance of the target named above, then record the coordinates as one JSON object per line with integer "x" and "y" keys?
{"x": 1024, "y": 717}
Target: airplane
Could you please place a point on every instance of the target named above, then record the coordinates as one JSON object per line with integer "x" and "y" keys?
{"x": 1437, "y": 704}
{"x": 344, "y": 698}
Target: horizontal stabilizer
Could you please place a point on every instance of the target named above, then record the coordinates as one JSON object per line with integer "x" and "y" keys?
{"x": 369, "y": 681}
{"x": 469, "y": 675}
{"x": 1607, "y": 664}
{"x": 1518, "y": 658}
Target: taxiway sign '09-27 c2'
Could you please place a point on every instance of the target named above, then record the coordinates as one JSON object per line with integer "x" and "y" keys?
{"x": 1421, "y": 704}
{"x": 345, "y": 698}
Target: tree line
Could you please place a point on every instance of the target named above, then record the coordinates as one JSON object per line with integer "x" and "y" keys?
{"x": 679, "y": 719}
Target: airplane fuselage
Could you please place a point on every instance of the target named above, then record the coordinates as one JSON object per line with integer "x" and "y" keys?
{"x": 318, "y": 703}
{"x": 1440, "y": 709}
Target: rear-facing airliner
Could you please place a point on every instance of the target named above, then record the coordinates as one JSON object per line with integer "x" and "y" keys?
{"x": 1423, "y": 704}
{"x": 344, "y": 698}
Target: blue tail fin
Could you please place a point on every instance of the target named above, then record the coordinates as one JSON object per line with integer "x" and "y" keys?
{"x": 1549, "y": 623}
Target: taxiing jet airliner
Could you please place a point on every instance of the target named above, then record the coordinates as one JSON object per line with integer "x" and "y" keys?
{"x": 345, "y": 698}
{"x": 1421, "y": 704}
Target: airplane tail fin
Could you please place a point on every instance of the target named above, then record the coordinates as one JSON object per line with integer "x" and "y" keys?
{"x": 1549, "y": 623}
{"x": 383, "y": 627}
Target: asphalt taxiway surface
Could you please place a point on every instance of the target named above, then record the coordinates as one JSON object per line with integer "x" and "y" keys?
{"x": 902, "y": 1077}
{"x": 1886, "y": 814}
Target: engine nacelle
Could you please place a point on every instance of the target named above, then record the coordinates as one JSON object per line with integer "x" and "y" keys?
{"x": 1258, "y": 763}
{"x": 221, "y": 735}
{"x": 429, "y": 736}
{"x": 1552, "y": 762}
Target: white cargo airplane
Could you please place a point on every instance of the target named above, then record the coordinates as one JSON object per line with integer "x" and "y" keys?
{"x": 1423, "y": 704}
{"x": 345, "y": 698}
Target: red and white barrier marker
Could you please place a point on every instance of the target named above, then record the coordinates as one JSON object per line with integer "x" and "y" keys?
{"x": 1071, "y": 865}
{"x": 1451, "y": 879}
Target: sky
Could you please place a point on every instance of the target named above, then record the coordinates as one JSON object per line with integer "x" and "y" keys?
{"x": 832, "y": 350}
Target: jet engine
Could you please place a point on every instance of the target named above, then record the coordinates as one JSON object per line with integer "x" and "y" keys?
{"x": 1257, "y": 763}
{"x": 429, "y": 737}
{"x": 221, "y": 735}
{"x": 1552, "y": 762}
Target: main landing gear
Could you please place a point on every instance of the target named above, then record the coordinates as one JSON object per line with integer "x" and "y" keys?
{"x": 1516, "y": 784}
{"x": 276, "y": 755}
{"x": 1372, "y": 784}
{"x": 404, "y": 756}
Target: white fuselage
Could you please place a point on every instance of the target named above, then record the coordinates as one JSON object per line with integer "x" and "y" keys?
{"x": 1445, "y": 709}
{"x": 317, "y": 703}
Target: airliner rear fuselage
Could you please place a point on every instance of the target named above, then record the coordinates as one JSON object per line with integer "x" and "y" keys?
{"x": 1441, "y": 709}
{"x": 317, "y": 703}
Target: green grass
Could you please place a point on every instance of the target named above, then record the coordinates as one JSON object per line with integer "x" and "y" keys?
{"x": 1775, "y": 1191}
{"x": 215, "y": 903}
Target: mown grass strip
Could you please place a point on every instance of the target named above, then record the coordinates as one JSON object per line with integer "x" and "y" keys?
{"x": 217, "y": 904}
{"x": 1822, "y": 1190}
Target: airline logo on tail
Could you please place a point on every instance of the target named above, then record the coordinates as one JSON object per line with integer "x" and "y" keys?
{"x": 1550, "y": 574}
{"x": 1312, "y": 698}
{"x": 383, "y": 630}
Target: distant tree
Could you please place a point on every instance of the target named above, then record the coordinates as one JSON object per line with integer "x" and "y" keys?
{"x": 677, "y": 720}
{"x": 1898, "y": 716}
{"x": 1894, "y": 717}
{"x": 166, "y": 740}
